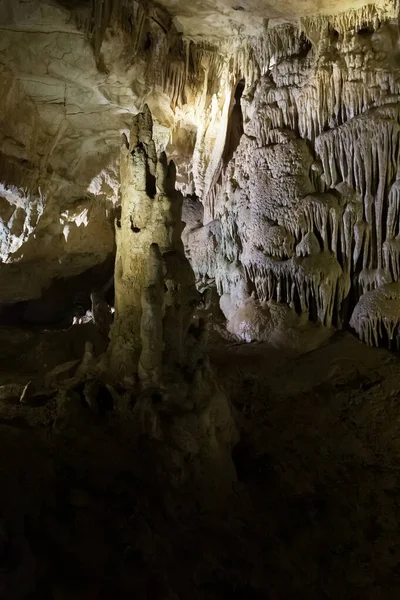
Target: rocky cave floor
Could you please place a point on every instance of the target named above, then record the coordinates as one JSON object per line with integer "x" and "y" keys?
{"x": 315, "y": 513}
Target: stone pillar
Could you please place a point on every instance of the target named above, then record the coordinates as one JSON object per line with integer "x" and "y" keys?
{"x": 150, "y": 214}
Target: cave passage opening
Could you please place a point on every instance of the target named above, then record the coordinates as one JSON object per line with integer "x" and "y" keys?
{"x": 64, "y": 302}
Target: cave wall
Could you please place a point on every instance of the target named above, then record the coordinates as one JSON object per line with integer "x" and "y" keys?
{"x": 306, "y": 212}
{"x": 302, "y": 209}
{"x": 72, "y": 75}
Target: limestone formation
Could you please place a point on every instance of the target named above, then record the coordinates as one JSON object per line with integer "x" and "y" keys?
{"x": 154, "y": 334}
{"x": 153, "y": 293}
{"x": 285, "y": 136}
{"x": 376, "y": 317}
{"x": 150, "y": 219}
{"x": 309, "y": 228}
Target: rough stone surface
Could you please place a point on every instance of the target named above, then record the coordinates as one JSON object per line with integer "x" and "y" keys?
{"x": 122, "y": 472}
{"x": 305, "y": 212}
{"x": 287, "y": 135}
{"x": 221, "y": 18}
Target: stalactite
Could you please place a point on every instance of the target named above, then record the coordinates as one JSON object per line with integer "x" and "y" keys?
{"x": 312, "y": 279}
{"x": 370, "y": 15}
{"x": 377, "y": 314}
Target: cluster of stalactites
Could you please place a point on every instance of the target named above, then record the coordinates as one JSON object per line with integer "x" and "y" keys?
{"x": 177, "y": 66}
{"x": 307, "y": 283}
{"x": 149, "y": 35}
{"x": 309, "y": 100}
{"x": 130, "y": 16}
{"x": 296, "y": 271}
{"x": 391, "y": 246}
{"x": 343, "y": 101}
{"x": 365, "y": 153}
{"x": 301, "y": 267}
{"x": 376, "y": 318}
{"x": 370, "y": 15}
{"x": 247, "y": 58}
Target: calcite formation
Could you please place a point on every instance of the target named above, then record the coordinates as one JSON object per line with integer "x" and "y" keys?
{"x": 157, "y": 349}
{"x": 376, "y": 318}
{"x": 306, "y": 211}
{"x": 149, "y": 256}
{"x": 285, "y": 133}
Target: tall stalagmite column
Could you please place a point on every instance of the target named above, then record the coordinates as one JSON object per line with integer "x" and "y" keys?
{"x": 151, "y": 215}
{"x": 178, "y": 404}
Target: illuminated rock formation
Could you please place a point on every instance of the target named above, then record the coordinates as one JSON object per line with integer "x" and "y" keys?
{"x": 154, "y": 334}
{"x": 376, "y": 317}
{"x": 306, "y": 211}
{"x": 150, "y": 219}
{"x": 286, "y": 133}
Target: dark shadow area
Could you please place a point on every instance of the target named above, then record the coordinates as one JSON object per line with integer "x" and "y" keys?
{"x": 305, "y": 46}
{"x": 74, "y": 4}
{"x": 314, "y": 513}
{"x": 63, "y": 300}
{"x": 235, "y": 125}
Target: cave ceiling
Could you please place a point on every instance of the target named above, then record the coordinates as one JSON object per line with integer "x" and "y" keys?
{"x": 224, "y": 18}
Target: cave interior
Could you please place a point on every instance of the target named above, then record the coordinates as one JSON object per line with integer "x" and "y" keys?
{"x": 199, "y": 300}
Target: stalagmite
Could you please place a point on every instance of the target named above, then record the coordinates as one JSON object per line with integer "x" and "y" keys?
{"x": 150, "y": 215}
{"x": 154, "y": 334}
{"x": 151, "y": 334}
